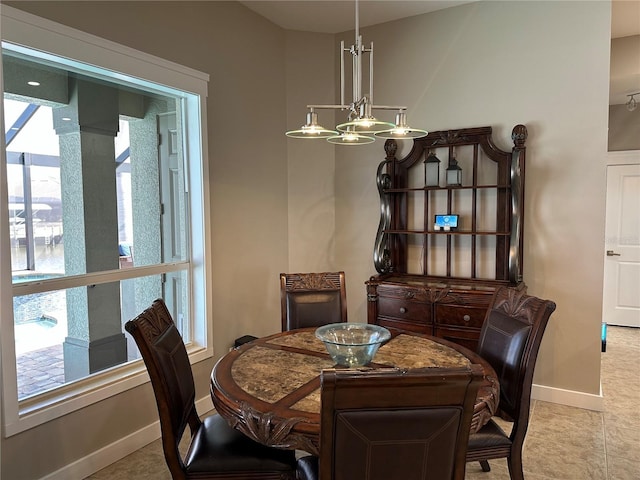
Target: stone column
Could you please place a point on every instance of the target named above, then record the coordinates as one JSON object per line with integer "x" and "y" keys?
{"x": 87, "y": 127}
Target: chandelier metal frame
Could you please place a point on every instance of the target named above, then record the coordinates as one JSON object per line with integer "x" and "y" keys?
{"x": 632, "y": 104}
{"x": 361, "y": 126}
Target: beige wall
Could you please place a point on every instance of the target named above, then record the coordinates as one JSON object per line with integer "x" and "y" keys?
{"x": 273, "y": 201}
{"x": 624, "y": 68}
{"x": 488, "y": 63}
{"x": 624, "y": 128}
{"x": 245, "y": 57}
{"x": 311, "y": 163}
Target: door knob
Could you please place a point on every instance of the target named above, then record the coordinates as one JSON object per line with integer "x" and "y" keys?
{"x": 611, "y": 253}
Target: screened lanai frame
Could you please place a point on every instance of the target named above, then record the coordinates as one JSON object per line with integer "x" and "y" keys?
{"x": 24, "y": 33}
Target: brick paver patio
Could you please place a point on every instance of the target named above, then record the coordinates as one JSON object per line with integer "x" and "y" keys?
{"x": 39, "y": 370}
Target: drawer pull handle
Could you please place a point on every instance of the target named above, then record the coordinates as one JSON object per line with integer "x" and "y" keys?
{"x": 403, "y": 310}
{"x": 466, "y": 318}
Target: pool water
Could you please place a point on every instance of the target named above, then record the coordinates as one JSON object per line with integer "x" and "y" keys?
{"x": 40, "y": 319}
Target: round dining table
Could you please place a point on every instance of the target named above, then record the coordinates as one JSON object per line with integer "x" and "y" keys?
{"x": 269, "y": 388}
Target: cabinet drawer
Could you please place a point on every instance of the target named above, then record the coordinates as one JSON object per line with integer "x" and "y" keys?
{"x": 469, "y": 299}
{"x": 404, "y": 310}
{"x": 405, "y": 293}
{"x": 405, "y": 326}
{"x": 460, "y": 316}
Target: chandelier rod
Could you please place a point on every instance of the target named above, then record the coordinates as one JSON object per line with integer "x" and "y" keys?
{"x": 357, "y": 59}
{"x": 356, "y": 51}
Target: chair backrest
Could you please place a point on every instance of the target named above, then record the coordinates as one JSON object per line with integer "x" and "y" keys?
{"x": 396, "y": 425}
{"x": 167, "y": 362}
{"x": 312, "y": 299}
{"x": 509, "y": 341}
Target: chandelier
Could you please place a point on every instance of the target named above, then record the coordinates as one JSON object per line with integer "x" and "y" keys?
{"x": 361, "y": 126}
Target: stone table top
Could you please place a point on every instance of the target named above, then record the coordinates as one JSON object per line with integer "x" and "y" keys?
{"x": 270, "y": 388}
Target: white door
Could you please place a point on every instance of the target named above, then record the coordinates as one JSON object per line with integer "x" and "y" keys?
{"x": 621, "y": 301}
{"x": 171, "y": 191}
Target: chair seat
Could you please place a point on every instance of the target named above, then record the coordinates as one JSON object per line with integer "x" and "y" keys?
{"x": 216, "y": 447}
{"x": 307, "y": 468}
{"x": 489, "y": 436}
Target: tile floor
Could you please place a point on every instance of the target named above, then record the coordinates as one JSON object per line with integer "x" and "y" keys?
{"x": 563, "y": 443}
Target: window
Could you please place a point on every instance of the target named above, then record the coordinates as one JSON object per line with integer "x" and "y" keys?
{"x": 104, "y": 173}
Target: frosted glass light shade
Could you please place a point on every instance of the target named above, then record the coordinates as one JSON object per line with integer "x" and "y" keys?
{"x": 401, "y": 129}
{"x": 350, "y": 138}
{"x": 400, "y": 133}
{"x": 311, "y": 129}
{"x": 365, "y": 125}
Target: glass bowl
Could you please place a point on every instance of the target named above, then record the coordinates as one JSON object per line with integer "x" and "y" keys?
{"x": 352, "y": 344}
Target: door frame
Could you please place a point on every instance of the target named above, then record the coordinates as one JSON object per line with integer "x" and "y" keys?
{"x": 622, "y": 157}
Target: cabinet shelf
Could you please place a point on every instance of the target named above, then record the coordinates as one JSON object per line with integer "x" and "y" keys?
{"x": 447, "y": 188}
{"x": 459, "y": 269}
{"x": 450, "y": 232}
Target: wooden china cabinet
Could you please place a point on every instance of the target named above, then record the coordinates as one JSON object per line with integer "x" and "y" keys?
{"x": 437, "y": 275}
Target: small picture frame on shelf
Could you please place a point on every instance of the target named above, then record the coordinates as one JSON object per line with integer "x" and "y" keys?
{"x": 445, "y": 222}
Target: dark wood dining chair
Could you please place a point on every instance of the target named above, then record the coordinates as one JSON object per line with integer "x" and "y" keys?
{"x": 312, "y": 299}
{"x": 393, "y": 425}
{"x": 509, "y": 341}
{"x": 216, "y": 451}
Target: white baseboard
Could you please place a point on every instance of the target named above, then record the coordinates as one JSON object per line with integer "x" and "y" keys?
{"x": 116, "y": 451}
{"x": 568, "y": 397}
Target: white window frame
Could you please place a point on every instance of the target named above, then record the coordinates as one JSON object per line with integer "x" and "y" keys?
{"x": 35, "y": 33}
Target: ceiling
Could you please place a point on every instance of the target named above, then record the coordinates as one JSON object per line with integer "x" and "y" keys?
{"x": 330, "y": 16}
